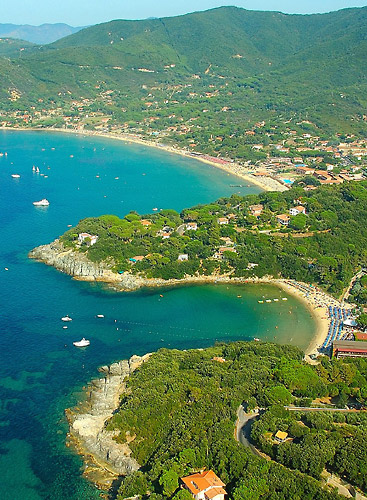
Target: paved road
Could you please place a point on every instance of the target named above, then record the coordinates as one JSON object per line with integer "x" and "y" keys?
{"x": 243, "y": 429}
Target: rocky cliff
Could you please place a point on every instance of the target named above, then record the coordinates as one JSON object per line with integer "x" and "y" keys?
{"x": 78, "y": 265}
{"x": 72, "y": 262}
{"x": 105, "y": 458}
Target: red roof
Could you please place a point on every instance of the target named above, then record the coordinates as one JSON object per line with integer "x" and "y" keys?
{"x": 202, "y": 481}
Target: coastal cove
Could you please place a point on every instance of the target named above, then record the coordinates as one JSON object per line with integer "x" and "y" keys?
{"x": 41, "y": 372}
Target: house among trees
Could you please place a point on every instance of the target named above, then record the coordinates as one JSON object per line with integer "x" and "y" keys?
{"x": 297, "y": 210}
{"x": 204, "y": 485}
{"x": 182, "y": 257}
{"x": 222, "y": 220}
{"x": 90, "y": 239}
{"x": 281, "y": 436}
{"x": 256, "y": 210}
{"x": 191, "y": 226}
{"x": 283, "y": 219}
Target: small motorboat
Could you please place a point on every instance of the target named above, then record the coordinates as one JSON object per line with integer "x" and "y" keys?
{"x": 284, "y": 298}
{"x": 256, "y": 339}
{"x": 155, "y": 209}
{"x": 66, "y": 318}
{"x": 15, "y": 176}
{"x": 100, "y": 315}
{"x": 82, "y": 343}
{"x": 268, "y": 300}
{"x": 41, "y": 203}
{"x": 276, "y": 300}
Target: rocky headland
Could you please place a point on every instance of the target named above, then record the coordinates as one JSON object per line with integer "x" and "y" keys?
{"x": 105, "y": 459}
{"x": 77, "y": 265}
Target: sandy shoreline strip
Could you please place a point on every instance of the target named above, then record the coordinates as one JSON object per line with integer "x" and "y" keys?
{"x": 264, "y": 182}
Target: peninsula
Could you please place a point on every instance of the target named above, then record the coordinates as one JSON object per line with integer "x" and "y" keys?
{"x": 166, "y": 425}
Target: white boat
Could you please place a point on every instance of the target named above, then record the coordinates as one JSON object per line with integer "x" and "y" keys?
{"x": 41, "y": 203}
{"x": 66, "y": 318}
{"x": 34, "y": 168}
{"x": 100, "y": 315}
{"x": 16, "y": 176}
{"x": 155, "y": 209}
{"x": 284, "y": 298}
{"x": 82, "y": 343}
{"x": 256, "y": 339}
{"x": 37, "y": 170}
{"x": 260, "y": 301}
{"x": 268, "y": 300}
{"x": 276, "y": 300}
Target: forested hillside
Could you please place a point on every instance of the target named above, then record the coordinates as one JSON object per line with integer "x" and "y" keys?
{"x": 325, "y": 245}
{"x": 179, "y": 416}
{"x": 234, "y": 65}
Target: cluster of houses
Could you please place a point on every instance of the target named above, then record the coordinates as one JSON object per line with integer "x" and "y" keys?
{"x": 282, "y": 219}
{"x": 327, "y": 177}
{"x": 227, "y": 245}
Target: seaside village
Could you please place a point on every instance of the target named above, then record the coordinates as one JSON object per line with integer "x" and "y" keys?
{"x": 343, "y": 338}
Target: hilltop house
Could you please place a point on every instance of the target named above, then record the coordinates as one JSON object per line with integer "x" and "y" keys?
{"x": 91, "y": 238}
{"x": 204, "y": 485}
{"x": 191, "y": 226}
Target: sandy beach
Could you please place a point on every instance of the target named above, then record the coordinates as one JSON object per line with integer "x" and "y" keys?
{"x": 265, "y": 183}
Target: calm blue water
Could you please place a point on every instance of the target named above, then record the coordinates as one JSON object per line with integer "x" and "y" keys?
{"x": 40, "y": 370}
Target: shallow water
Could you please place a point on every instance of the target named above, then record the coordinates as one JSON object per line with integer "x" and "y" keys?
{"x": 40, "y": 370}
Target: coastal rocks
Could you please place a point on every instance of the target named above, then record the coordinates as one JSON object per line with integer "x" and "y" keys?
{"x": 78, "y": 265}
{"x": 87, "y": 424}
{"x": 70, "y": 262}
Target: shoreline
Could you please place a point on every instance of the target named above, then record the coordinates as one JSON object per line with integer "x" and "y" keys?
{"x": 265, "y": 183}
{"x": 82, "y": 269}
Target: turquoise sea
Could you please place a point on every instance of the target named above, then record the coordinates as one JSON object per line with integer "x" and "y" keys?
{"x": 41, "y": 373}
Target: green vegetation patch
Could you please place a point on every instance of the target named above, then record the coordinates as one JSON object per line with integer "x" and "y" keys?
{"x": 179, "y": 411}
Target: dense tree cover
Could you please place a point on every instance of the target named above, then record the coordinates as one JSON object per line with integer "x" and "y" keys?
{"x": 358, "y": 292}
{"x": 316, "y": 441}
{"x": 179, "y": 411}
{"x": 326, "y": 246}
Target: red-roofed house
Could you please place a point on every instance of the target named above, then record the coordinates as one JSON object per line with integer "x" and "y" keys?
{"x": 204, "y": 485}
{"x": 256, "y": 210}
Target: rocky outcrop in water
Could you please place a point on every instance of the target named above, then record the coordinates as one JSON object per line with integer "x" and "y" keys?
{"x": 77, "y": 264}
{"x": 87, "y": 424}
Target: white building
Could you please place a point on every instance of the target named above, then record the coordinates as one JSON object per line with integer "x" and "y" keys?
{"x": 83, "y": 236}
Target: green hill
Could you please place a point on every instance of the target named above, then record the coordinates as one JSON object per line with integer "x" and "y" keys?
{"x": 256, "y": 65}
